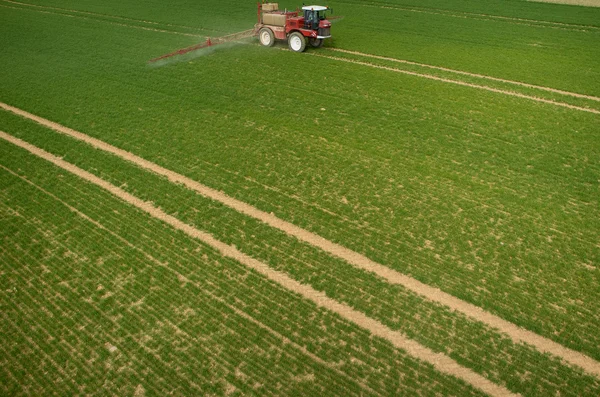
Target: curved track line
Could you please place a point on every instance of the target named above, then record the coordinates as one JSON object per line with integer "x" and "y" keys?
{"x": 481, "y": 76}
{"x": 458, "y": 82}
{"x": 439, "y": 361}
{"x": 516, "y": 333}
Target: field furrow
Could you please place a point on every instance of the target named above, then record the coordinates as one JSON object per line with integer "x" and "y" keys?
{"x": 101, "y": 299}
{"x": 477, "y": 16}
{"x": 460, "y": 72}
{"x": 466, "y": 84}
{"x": 430, "y": 173}
{"x": 46, "y": 10}
{"x": 440, "y": 362}
{"x": 365, "y": 300}
{"x": 549, "y": 375}
{"x": 518, "y": 334}
{"x": 284, "y": 340}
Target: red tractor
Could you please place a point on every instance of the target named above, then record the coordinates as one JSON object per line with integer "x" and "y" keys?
{"x": 297, "y": 29}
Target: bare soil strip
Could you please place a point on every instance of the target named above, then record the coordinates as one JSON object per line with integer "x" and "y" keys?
{"x": 516, "y": 333}
{"x": 458, "y": 82}
{"x": 481, "y": 76}
{"x": 440, "y": 361}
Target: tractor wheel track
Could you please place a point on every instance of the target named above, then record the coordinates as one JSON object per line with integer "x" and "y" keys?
{"x": 516, "y": 333}
{"x": 538, "y": 23}
{"x": 90, "y": 16}
{"x": 284, "y": 340}
{"x": 462, "y": 83}
{"x": 439, "y": 361}
{"x": 460, "y": 72}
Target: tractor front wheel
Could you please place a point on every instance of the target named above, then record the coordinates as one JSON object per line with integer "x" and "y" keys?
{"x": 266, "y": 37}
{"x": 316, "y": 43}
{"x": 297, "y": 42}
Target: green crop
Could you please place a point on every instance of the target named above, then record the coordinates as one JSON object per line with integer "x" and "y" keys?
{"x": 471, "y": 344}
{"x": 96, "y": 301}
{"x": 490, "y": 197}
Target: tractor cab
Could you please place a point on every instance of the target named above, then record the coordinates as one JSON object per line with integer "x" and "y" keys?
{"x": 313, "y": 15}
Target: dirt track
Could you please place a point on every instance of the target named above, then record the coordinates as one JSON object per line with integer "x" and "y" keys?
{"x": 440, "y": 361}
{"x": 490, "y": 17}
{"x": 180, "y": 276}
{"x": 516, "y": 333}
{"x": 481, "y": 76}
{"x": 458, "y": 82}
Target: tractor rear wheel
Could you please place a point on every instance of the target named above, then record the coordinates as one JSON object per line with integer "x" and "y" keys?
{"x": 266, "y": 37}
{"x": 316, "y": 43}
{"x": 297, "y": 42}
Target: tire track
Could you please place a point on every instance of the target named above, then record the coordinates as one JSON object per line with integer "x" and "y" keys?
{"x": 45, "y": 11}
{"x": 481, "y": 76}
{"x": 284, "y": 340}
{"x": 484, "y": 17}
{"x": 98, "y": 14}
{"x": 516, "y": 333}
{"x": 458, "y": 82}
{"x": 439, "y": 361}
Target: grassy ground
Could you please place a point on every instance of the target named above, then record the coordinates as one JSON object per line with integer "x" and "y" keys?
{"x": 124, "y": 301}
{"x": 491, "y": 198}
{"x": 472, "y": 345}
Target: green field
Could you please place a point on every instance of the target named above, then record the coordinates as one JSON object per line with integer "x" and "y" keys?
{"x": 455, "y": 142}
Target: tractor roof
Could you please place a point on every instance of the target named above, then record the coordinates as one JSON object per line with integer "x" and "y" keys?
{"x": 315, "y": 8}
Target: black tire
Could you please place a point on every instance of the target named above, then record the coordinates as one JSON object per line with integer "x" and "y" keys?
{"x": 297, "y": 42}
{"x": 316, "y": 43}
{"x": 266, "y": 37}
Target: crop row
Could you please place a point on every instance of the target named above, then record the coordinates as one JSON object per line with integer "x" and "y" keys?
{"x": 525, "y": 12}
{"x": 469, "y": 343}
{"x": 562, "y": 55}
{"x": 196, "y": 33}
{"x": 418, "y": 170}
{"x": 495, "y": 179}
{"x": 182, "y": 15}
{"x": 510, "y": 88}
{"x": 502, "y": 39}
{"x": 92, "y": 302}
{"x": 384, "y": 169}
